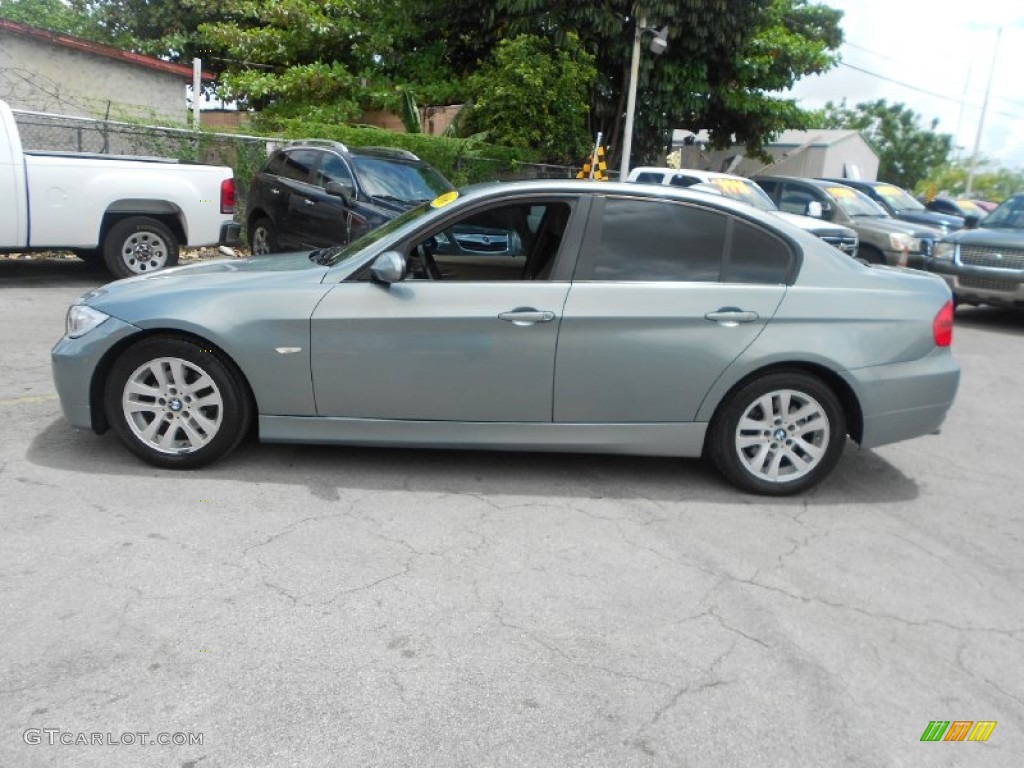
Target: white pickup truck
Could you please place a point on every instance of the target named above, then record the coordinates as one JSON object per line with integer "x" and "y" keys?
{"x": 130, "y": 213}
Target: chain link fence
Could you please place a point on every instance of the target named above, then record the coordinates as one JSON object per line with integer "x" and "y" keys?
{"x": 244, "y": 153}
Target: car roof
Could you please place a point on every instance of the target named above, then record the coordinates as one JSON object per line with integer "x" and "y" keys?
{"x": 691, "y": 171}
{"x": 821, "y": 183}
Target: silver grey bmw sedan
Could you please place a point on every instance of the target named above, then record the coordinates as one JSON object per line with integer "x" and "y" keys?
{"x": 618, "y": 318}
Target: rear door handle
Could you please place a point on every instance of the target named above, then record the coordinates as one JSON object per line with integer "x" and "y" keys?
{"x": 527, "y": 316}
{"x": 731, "y": 316}
{"x": 307, "y": 201}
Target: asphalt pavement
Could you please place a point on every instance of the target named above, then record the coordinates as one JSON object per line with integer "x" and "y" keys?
{"x": 319, "y": 606}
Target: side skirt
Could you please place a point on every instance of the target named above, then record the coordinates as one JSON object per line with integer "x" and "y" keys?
{"x": 686, "y": 440}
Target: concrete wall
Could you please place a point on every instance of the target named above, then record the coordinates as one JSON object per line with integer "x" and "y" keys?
{"x": 36, "y": 75}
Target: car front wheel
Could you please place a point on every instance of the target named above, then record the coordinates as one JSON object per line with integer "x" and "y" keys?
{"x": 175, "y": 403}
{"x": 778, "y": 434}
{"x": 263, "y": 238}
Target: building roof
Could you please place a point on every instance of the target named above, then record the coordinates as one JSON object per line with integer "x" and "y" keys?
{"x": 99, "y": 49}
{"x": 818, "y": 137}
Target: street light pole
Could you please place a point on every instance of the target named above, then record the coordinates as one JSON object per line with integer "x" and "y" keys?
{"x": 634, "y": 71}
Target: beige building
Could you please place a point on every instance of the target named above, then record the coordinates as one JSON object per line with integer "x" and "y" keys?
{"x": 46, "y": 71}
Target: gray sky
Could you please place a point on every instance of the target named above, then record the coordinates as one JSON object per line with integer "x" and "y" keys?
{"x": 925, "y": 54}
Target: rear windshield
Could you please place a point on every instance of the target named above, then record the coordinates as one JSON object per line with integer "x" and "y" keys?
{"x": 408, "y": 182}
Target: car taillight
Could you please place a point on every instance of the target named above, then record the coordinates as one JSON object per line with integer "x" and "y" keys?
{"x": 942, "y": 326}
{"x": 227, "y": 196}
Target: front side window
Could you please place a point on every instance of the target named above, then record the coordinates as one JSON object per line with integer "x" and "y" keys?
{"x": 518, "y": 241}
{"x": 651, "y": 240}
{"x": 333, "y": 168}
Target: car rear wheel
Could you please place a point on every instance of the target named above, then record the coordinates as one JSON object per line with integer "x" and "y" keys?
{"x": 177, "y": 404}
{"x": 263, "y": 238}
{"x": 778, "y": 434}
{"x": 139, "y": 245}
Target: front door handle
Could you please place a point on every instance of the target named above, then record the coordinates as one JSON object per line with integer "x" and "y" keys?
{"x": 307, "y": 201}
{"x": 527, "y": 316}
{"x": 730, "y": 317}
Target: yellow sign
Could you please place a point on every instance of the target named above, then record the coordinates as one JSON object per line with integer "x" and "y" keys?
{"x": 841, "y": 192}
{"x": 442, "y": 200}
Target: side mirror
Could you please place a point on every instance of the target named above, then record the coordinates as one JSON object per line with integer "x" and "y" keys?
{"x": 971, "y": 222}
{"x": 345, "y": 191}
{"x": 388, "y": 268}
{"x": 815, "y": 209}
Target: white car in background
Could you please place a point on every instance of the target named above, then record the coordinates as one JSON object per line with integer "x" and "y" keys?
{"x": 747, "y": 191}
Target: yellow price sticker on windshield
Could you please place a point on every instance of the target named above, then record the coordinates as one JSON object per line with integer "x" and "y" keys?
{"x": 838, "y": 192}
{"x": 889, "y": 191}
{"x": 442, "y": 200}
{"x": 733, "y": 186}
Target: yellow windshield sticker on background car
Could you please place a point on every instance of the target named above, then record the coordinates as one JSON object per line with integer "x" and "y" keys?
{"x": 840, "y": 192}
{"x": 734, "y": 186}
{"x": 889, "y": 191}
{"x": 442, "y": 200}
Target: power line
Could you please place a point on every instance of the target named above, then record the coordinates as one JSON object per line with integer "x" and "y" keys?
{"x": 926, "y": 92}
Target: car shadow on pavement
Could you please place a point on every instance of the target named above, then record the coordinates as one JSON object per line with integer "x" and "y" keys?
{"x": 991, "y": 319}
{"x": 22, "y": 271}
{"x": 861, "y": 477}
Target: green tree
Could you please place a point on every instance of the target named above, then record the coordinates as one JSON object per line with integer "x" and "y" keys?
{"x": 726, "y": 65}
{"x": 907, "y": 152}
{"x": 534, "y": 95}
{"x": 989, "y": 183}
{"x": 54, "y": 15}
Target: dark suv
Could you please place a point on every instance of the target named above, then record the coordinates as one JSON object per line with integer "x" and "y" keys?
{"x": 313, "y": 194}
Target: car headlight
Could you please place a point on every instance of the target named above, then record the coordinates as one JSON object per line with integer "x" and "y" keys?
{"x": 81, "y": 319}
{"x": 944, "y": 251}
{"x": 899, "y": 241}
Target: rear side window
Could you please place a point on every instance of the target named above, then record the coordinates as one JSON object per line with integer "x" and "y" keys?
{"x": 651, "y": 240}
{"x": 295, "y": 164}
{"x": 756, "y": 256}
{"x": 657, "y": 241}
{"x": 649, "y": 177}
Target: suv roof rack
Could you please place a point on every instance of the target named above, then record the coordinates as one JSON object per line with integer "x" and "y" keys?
{"x": 318, "y": 143}
{"x": 390, "y": 151}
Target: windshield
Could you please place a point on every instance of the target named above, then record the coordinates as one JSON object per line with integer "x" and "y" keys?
{"x": 899, "y": 199}
{"x": 970, "y": 208}
{"x": 342, "y": 254}
{"x": 398, "y": 180}
{"x": 1009, "y": 215}
{"x": 745, "y": 191}
{"x": 854, "y": 203}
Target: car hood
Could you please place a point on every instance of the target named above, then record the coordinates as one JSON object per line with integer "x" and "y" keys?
{"x": 145, "y": 295}
{"x": 887, "y": 225}
{"x": 816, "y": 226}
{"x": 933, "y": 219}
{"x": 993, "y": 238}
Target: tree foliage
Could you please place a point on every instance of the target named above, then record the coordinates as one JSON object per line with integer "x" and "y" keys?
{"x": 989, "y": 183}
{"x": 534, "y": 94}
{"x": 907, "y": 152}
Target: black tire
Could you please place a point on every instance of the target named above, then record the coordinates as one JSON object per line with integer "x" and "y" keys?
{"x": 797, "y": 444}
{"x": 139, "y": 245}
{"x": 263, "y": 238}
{"x": 189, "y": 421}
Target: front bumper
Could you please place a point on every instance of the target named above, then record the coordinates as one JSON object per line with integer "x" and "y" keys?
{"x": 905, "y": 400}
{"x": 980, "y": 285}
{"x": 75, "y": 362}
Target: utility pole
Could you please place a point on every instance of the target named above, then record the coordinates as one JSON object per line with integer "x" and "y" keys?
{"x": 981, "y": 120}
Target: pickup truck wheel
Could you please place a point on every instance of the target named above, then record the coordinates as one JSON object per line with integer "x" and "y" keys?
{"x": 176, "y": 404}
{"x": 779, "y": 434}
{"x": 263, "y": 238}
{"x": 139, "y": 245}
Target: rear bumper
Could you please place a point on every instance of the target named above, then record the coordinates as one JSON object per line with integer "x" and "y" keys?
{"x": 230, "y": 233}
{"x": 905, "y": 400}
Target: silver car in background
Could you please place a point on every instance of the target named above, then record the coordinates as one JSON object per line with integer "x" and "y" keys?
{"x": 623, "y": 318}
